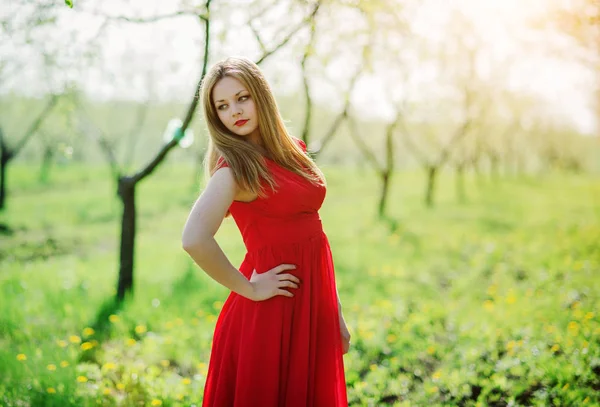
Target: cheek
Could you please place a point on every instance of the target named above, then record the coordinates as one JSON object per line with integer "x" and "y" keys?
{"x": 222, "y": 117}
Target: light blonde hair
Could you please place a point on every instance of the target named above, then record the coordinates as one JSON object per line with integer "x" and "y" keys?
{"x": 245, "y": 160}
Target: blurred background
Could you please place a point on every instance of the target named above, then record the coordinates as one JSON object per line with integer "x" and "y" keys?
{"x": 460, "y": 140}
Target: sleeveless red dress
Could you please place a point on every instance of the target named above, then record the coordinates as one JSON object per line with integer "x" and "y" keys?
{"x": 285, "y": 351}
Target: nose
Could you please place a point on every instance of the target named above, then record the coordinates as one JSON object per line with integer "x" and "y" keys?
{"x": 237, "y": 110}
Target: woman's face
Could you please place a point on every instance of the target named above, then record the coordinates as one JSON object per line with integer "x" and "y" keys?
{"x": 235, "y": 107}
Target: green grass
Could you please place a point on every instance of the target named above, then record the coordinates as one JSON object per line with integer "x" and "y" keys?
{"x": 490, "y": 302}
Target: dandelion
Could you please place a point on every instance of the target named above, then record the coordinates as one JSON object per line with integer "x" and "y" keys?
{"x": 131, "y": 342}
{"x": 488, "y": 305}
{"x": 179, "y": 397}
{"x": 140, "y": 329}
{"x": 510, "y": 298}
{"x": 62, "y": 343}
{"x": 217, "y": 305}
{"x": 436, "y": 375}
{"x": 586, "y": 344}
{"x": 88, "y": 331}
{"x": 165, "y": 363}
{"x": 64, "y": 363}
{"x": 186, "y": 381}
{"x": 391, "y": 338}
{"x": 51, "y": 390}
{"x": 573, "y": 328}
{"x": 51, "y": 367}
{"x": 106, "y": 392}
{"x": 74, "y": 339}
{"x": 433, "y": 389}
{"x": 211, "y": 318}
{"x": 555, "y": 347}
{"x": 86, "y": 346}
{"x": 82, "y": 379}
{"x": 156, "y": 402}
{"x": 109, "y": 366}
{"x": 589, "y": 315}
{"x": 120, "y": 386}
{"x": 373, "y": 367}
{"x": 114, "y": 318}
{"x": 21, "y": 357}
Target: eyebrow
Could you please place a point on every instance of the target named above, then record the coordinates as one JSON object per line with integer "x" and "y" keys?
{"x": 217, "y": 101}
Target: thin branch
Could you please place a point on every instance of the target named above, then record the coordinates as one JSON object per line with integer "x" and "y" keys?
{"x": 290, "y": 35}
{"x": 191, "y": 109}
{"x": 36, "y": 124}
{"x": 363, "y": 146}
{"x": 307, "y": 52}
{"x": 144, "y": 20}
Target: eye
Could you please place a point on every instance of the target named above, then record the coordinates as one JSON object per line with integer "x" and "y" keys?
{"x": 244, "y": 98}
{"x": 220, "y": 107}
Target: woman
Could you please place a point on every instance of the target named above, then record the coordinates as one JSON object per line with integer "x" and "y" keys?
{"x": 280, "y": 336}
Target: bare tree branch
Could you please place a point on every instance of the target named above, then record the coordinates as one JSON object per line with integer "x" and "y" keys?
{"x": 362, "y": 145}
{"x": 35, "y": 125}
{"x": 309, "y": 49}
{"x": 144, "y": 20}
{"x": 290, "y": 34}
{"x": 191, "y": 109}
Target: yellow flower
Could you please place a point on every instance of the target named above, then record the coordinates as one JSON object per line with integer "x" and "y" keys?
{"x": 585, "y": 344}
{"x": 436, "y": 375}
{"x": 201, "y": 366}
{"x": 391, "y": 338}
{"x": 217, "y": 305}
{"x": 555, "y": 347}
{"x": 156, "y": 402}
{"x": 74, "y": 339}
{"x": 120, "y": 386}
{"x": 114, "y": 318}
{"x": 488, "y": 305}
{"x": 373, "y": 367}
{"x": 179, "y": 397}
{"x": 62, "y": 343}
{"x": 86, "y": 346}
{"x": 88, "y": 331}
{"x": 106, "y": 392}
{"x": 431, "y": 350}
{"x": 510, "y": 298}
{"x": 589, "y": 315}
{"x": 566, "y": 386}
{"x": 21, "y": 357}
{"x": 64, "y": 363}
{"x": 51, "y": 367}
{"x": 585, "y": 400}
{"x": 140, "y": 329}
{"x": 82, "y": 379}
{"x": 51, "y": 390}
{"x": 165, "y": 363}
{"x": 179, "y": 321}
{"x": 433, "y": 389}
{"x": 130, "y": 341}
{"x": 186, "y": 381}
{"x": 109, "y": 366}
{"x": 211, "y": 318}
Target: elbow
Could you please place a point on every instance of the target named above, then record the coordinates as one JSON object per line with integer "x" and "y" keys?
{"x": 192, "y": 244}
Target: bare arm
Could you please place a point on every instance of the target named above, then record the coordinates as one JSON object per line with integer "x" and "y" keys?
{"x": 203, "y": 223}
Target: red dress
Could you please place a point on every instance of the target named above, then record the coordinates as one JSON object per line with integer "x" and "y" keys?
{"x": 285, "y": 351}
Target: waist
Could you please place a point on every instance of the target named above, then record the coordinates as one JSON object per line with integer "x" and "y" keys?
{"x": 278, "y": 231}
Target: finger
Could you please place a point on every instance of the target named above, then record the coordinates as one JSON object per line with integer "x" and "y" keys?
{"x": 285, "y": 293}
{"x": 289, "y": 277}
{"x": 283, "y": 267}
{"x": 288, "y": 284}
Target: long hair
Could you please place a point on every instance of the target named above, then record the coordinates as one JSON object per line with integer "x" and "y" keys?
{"x": 245, "y": 160}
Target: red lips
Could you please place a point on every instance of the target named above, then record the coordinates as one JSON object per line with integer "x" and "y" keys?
{"x": 241, "y": 122}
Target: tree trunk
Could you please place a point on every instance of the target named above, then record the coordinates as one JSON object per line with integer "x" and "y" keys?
{"x": 126, "y": 192}
{"x": 46, "y": 164}
{"x": 4, "y": 159}
{"x": 431, "y": 178}
{"x": 460, "y": 183}
{"x": 385, "y": 187}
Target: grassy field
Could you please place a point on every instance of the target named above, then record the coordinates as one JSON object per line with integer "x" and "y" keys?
{"x": 492, "y": 302}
